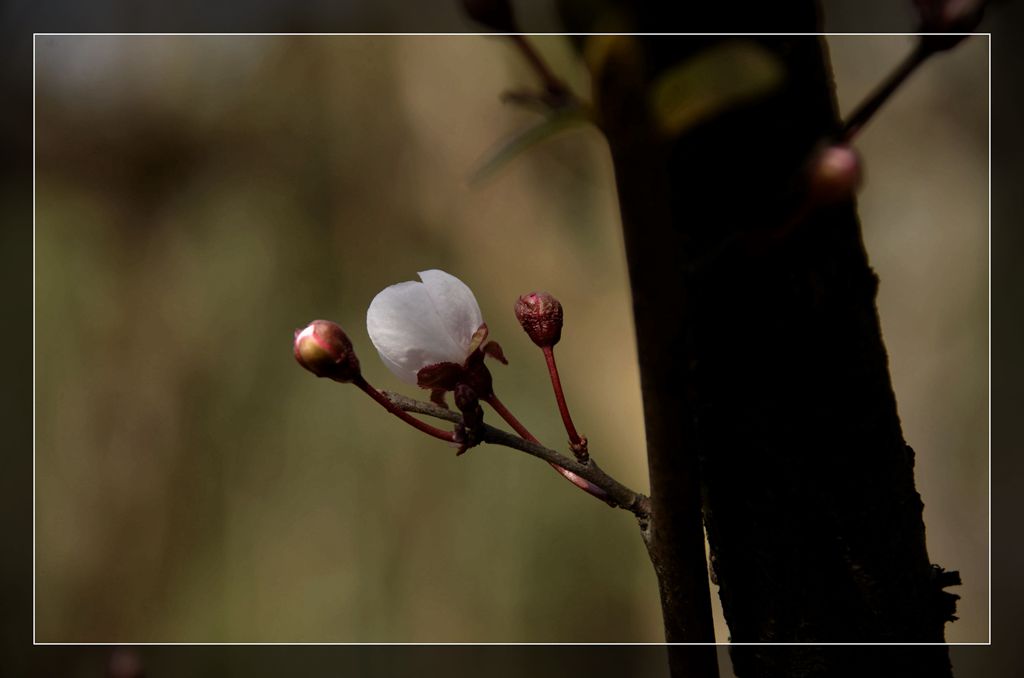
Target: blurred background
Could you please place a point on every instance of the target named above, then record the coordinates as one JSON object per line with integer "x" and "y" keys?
{"x": 199, "y": 197}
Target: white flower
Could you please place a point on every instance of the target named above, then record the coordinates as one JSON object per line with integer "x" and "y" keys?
{"x": 415, "y": 324}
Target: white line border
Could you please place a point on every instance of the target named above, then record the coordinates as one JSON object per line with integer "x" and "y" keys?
{"x": 34, "y": 339}
{"x": 36, "y": 642}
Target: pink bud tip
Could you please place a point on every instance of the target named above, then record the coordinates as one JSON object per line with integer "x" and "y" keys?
{"x": 540, "y": 314}
{"x": 948, "y": 16}
{"x": 323, "y": 348}
{"x": 835, "y": 175}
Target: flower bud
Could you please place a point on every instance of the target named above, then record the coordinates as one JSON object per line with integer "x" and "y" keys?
{"x": 540, "y": 314}
{"x": 323, "y": 348}
{"x": 835, "y": 174}
{"x": 947, "y": 16}
{"x": 495, "y": 14}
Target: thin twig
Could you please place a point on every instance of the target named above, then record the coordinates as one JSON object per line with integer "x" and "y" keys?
{"x": 618, "y": 494}
{"x": 552, "y": 84}
{"x": 365, "y": 386}
{"x": 574, "y": 478}
{"x": 555, "y": 94}
{"x": 800, "y": 204}
{"x": 577, "y": 442}
{"x": 866, "y": 110}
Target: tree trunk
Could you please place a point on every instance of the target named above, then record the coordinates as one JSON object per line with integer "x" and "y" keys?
{"x": 765, "y": 380}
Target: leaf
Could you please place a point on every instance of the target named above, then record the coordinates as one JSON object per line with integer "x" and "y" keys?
{"x": 713, "y": 81}
{"x": 513, "y": 146}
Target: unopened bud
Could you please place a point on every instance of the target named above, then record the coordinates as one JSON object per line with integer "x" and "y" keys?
{"x": 323, "y": 348}
{"x": 495, "y": 14}
{"x": 540, "y": 314}
{"x": 947, "y": 16}
{"x": 834, "y": 175}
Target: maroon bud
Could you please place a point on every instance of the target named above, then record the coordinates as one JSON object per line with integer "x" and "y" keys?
{"x": 834, "y": 175}
{"x": 540, "y": 314}
{"x": 323, "y": 348}
{"x": 947, "y": 16}
{"x": 495, "y": 14}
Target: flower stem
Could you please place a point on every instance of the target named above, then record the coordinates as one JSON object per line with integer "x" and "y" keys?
{"x": 510, "y": 418}
{"x": 619, "y": 495}
{"x": 576, "y": 441}
{"x": 524, "y": 433}
{"x": 365, "y": 386}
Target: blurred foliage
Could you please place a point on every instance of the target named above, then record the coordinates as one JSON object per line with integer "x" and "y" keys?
{"x": 200, "y": 197}
{"x": 714, "y": 80}
{"x": 523, "y": 140}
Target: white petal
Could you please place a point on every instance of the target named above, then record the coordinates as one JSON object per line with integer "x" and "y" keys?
{"x": 407, "y": 331}
{"x": 455, "y": 303}
{"x": 406, "y": 375}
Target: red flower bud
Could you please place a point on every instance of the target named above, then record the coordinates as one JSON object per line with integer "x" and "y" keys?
{"x": 948, "y": 16}
{"x": 835, "y": 175}
{"x": 540, "y": 314}
{"x": 323, "y": 348}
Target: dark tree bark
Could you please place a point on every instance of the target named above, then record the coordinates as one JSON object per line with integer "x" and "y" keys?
{"x": 766, "y": 388}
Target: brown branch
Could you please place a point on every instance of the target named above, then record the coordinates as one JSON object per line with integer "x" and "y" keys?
{"x": 767, "y": 397}
{"x": 618, "y": 494}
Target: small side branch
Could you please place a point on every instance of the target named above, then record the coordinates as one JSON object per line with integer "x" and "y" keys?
{"x": 867, "y": 109}
{"x": 556, "y": 93}
{"x": 618, "y": 494}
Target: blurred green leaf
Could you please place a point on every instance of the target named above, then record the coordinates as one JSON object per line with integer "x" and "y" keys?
{"x": 719, "y": 78}
{"x": 508, "y": 149}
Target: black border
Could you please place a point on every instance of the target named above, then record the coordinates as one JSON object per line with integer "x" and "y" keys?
{"x": 21, "y": 20}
